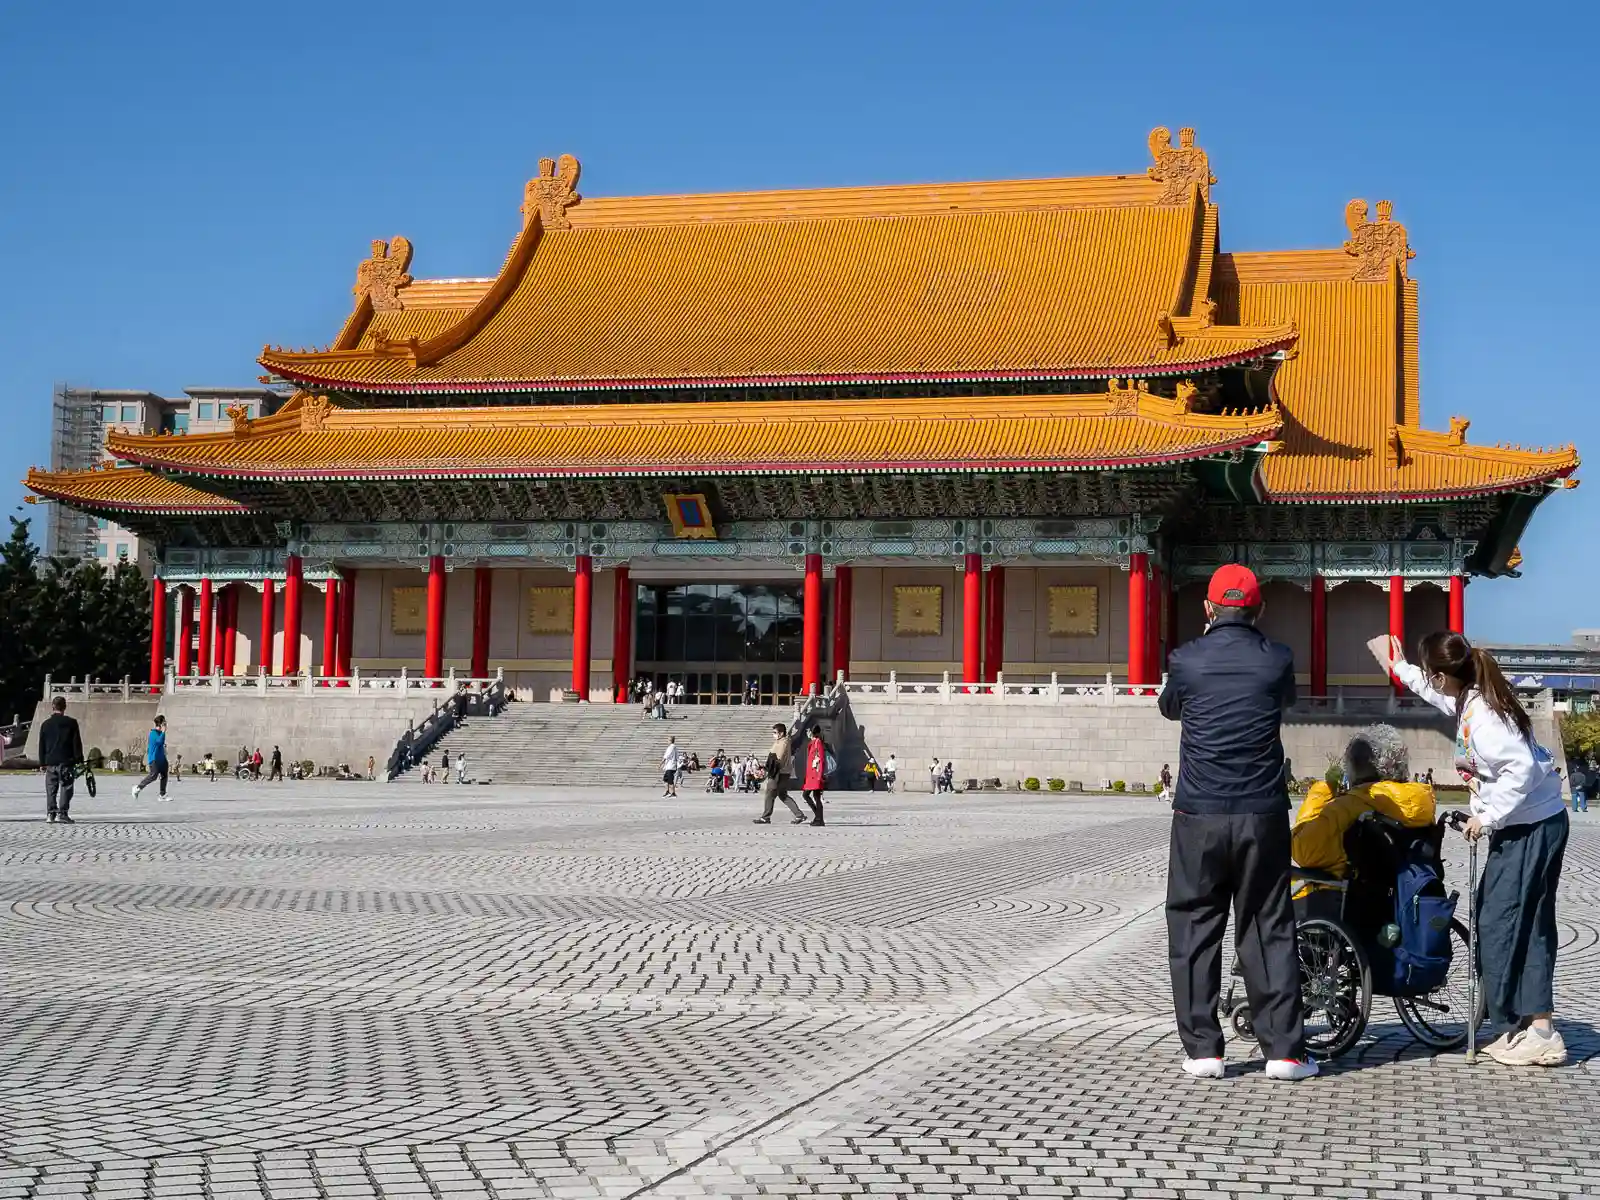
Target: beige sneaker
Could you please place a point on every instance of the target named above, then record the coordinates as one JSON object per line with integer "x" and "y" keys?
{"x": 1529, "y": 1048}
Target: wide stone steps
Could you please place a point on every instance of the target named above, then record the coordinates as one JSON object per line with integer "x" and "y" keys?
{"x": 602, "y": 744}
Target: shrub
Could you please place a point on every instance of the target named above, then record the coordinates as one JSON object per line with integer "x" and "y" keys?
{"x": 1121, "y": 785}
{"x": 1156, "y": 787}
{"x": 95, "y": 758}
{"x": 1031, "y": 783}
{"x": 1058, "y": 785}
{"x": 115, "y": 755}
{"x": 1334, "y": 775}
{"x": 308, "y": 768}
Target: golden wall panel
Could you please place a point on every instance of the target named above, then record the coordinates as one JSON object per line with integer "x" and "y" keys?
{"x": 550, "y": 610}
{"x": 408, "y": 610}
{"x": 1074, "y": 611}
{"x": 919, "y": 611}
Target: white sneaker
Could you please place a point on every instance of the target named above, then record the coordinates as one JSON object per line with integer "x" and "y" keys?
{"x": 1204, "y": 1068}
{"x": 1292, "y": 1068}
{"x": 136, "y": 791}
{"x": 165, "y": 799}
{"x": 1528, "y": 1048}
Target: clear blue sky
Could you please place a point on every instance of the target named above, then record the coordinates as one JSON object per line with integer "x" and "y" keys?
{"x": 183, "y": 182}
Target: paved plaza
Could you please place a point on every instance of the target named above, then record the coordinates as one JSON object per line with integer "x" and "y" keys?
{"x": 321, "y": 991}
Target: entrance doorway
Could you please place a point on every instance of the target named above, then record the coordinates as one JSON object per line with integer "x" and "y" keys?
{"x": 716, "y": 639}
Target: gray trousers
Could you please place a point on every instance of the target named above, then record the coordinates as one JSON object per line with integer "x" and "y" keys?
{"x": 775, "y": 789}
{"x": 58, "y": 783}
{"x": 1517, "y": 934}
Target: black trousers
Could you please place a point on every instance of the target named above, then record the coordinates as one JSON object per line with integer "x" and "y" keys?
{"x": 1243, "y": 861}
{"x": 813, "y": 797}
{"x": 58, "y": 783}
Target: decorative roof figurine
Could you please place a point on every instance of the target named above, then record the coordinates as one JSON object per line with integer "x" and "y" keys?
{"x": 553, "y": 192}
{"x": 381, "y": 277}
{"x": 1180, "y": 167}
{"x": 1376, "y": 245}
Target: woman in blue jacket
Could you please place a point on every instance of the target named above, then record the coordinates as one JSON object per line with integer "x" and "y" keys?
{"x": 155, "y": 757}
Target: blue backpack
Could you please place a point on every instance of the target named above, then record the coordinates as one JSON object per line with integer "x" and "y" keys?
{"x": 1423, "y": 912}
{"x": 1400, "y": 906}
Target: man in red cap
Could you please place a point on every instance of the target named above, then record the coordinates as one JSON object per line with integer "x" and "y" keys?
{"x": 1230, "y": 831}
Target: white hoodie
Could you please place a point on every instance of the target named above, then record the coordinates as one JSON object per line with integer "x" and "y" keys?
{"x": 1515, "y": 776}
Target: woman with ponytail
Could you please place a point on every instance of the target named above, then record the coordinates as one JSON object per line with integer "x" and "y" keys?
{"x": 1516, "y": 803}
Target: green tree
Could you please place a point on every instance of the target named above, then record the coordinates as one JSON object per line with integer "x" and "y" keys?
{"x": 66, "y": 619}
{"x": 1580, "y": 736}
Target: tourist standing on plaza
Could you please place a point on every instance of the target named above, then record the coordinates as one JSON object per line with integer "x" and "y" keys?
{"x": 276, "y": 771}
{"x": 776, "y": 787}
{"x": 155, "y": 758}
{"x": 890, "y": 770}
{"x": 816, "y": 777}
{"x": 671, "y": 766}
{"x": 461, "y": 767}
{"x": 1516, "y": 802}
{"x": 1230, "y": 831}
{"x": 60, "y": 752}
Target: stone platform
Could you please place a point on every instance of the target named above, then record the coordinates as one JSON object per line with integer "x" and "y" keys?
{"x": 322, "y": 991}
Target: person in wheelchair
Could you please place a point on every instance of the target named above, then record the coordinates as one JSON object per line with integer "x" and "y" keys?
{"x": 1377, "y": 769}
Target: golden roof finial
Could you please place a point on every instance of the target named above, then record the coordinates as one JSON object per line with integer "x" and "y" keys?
{"x": 240, "y": 415}
{"x": 1458, "y": 430}
{"x": 1376, "y": 245}
{"x": 553, "y": 192}
{"x": 1180, "y": 167}
{"x": 381, "y": 277}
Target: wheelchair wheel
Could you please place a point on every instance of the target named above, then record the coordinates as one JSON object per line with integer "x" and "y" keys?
{"x": 1335, "y": 986}
{"x": 1439, "y": 1018}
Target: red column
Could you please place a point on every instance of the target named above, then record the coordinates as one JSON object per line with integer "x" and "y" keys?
{"x": 1458, "y": 604}
{"x": 972, "y": 619}
{"x": 433, "y": 643}
{"x": 1397, "y": 619}
{"x": 622, "y": 636}
{"x": 582, "y": 614}
{"x": 842, "y": 585}
{"x": 811, "y": 649}
{"x": 330, "y": 629}
{"x": 204, "y": 665}
{"x": 347, "y": 621}
{"x": 268, "y": 624}
{"x": 291, "y": 615}
{"x": 1152, "y": 661}
{"x": 158, "y": 632}
{"x": 230, "y": 634}
{"x": 185, "y": 628}
{"x": 994, "y": 630}
{"x": 482, "y": 602}
{"x": 1138, "y": 618}
{"x": 1319, "y": 636}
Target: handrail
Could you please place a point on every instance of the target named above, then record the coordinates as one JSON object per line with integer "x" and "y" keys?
{"x": 419, "y": 739}
{"x": 263, "y": 684}
{"x": 951, "y": 691}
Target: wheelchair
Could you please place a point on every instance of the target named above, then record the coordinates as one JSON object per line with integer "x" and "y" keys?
{"x": 1340, "y": 930}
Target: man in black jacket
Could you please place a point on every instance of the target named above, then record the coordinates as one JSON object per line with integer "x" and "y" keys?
{"x": 1230, "y": 831}
{"x": 60, "y": 752}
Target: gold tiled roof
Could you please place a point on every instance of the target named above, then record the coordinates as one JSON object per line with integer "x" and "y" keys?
{"x": 1120, "y": 428}
{"x": 126, "y": 490}
{"x": 1019, "y": 279}
{"x": 1349, "y": 390}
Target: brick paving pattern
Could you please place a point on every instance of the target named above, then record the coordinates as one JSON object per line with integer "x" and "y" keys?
{"x": 320, "y": 992}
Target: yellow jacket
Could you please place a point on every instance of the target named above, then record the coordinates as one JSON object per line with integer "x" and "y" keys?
{"x": 1323, "y": 819}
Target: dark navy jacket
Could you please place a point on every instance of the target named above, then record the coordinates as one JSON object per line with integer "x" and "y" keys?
{"x": 1229, "y": 687}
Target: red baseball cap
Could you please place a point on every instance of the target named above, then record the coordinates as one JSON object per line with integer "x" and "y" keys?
{"x": 1233, "y": 586}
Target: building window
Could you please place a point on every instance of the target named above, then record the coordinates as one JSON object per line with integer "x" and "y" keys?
{"x": 130, "y": 412}
{"x": 104, "y": 550}
{"x": 109, "y": 412}
{"x": 204, "y": 414}
{"x": 180, "y": 422}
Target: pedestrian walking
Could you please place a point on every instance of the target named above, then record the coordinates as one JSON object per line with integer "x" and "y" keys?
{"x": 816, "y": 777}
{"x": 890, "y": 770}
{"x": 372, "y": 765}
{"x": 276, "y": 770}
{"x": 1166, "y": 782}
{"x": 155, "y": 758}
{"x": 60, "y": 752}
{"x": 934, "y": 776}
{"x": 1580, "y": 781}
{"x": 177, "y": 768}
{"x": 1230, "y": 831}
{"x": 1517, "y": 804}
{"x": 461, "y": 767}
{"x": 779, "y": 760}
{"x": 671, "y": 766}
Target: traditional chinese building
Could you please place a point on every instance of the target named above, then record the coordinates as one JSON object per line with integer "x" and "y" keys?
{"x": 965, "y": 427}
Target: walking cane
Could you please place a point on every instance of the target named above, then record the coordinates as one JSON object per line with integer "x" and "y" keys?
{"x": 1472, "y": 952}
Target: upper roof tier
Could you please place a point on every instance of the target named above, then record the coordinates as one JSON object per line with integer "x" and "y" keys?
{"x": 1024, "y": 279}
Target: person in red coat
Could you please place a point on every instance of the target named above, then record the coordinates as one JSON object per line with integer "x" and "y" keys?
{"x": 816, "y": 772}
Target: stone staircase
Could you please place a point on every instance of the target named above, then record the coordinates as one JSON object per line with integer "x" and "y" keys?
{"x": 560, "y": 745}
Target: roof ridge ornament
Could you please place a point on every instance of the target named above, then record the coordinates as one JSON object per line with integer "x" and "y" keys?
{"x": 314, "y": 412}
{"x": 1458, "y": 430}
{"x": 1179, "y": 167}
{"x": 1124, "y": 401}
{"x": 553, "y": 192}
{"x": 240, "y": 414}
{"x": 380, "y": 278}
{"x": 1376, "y": 245}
